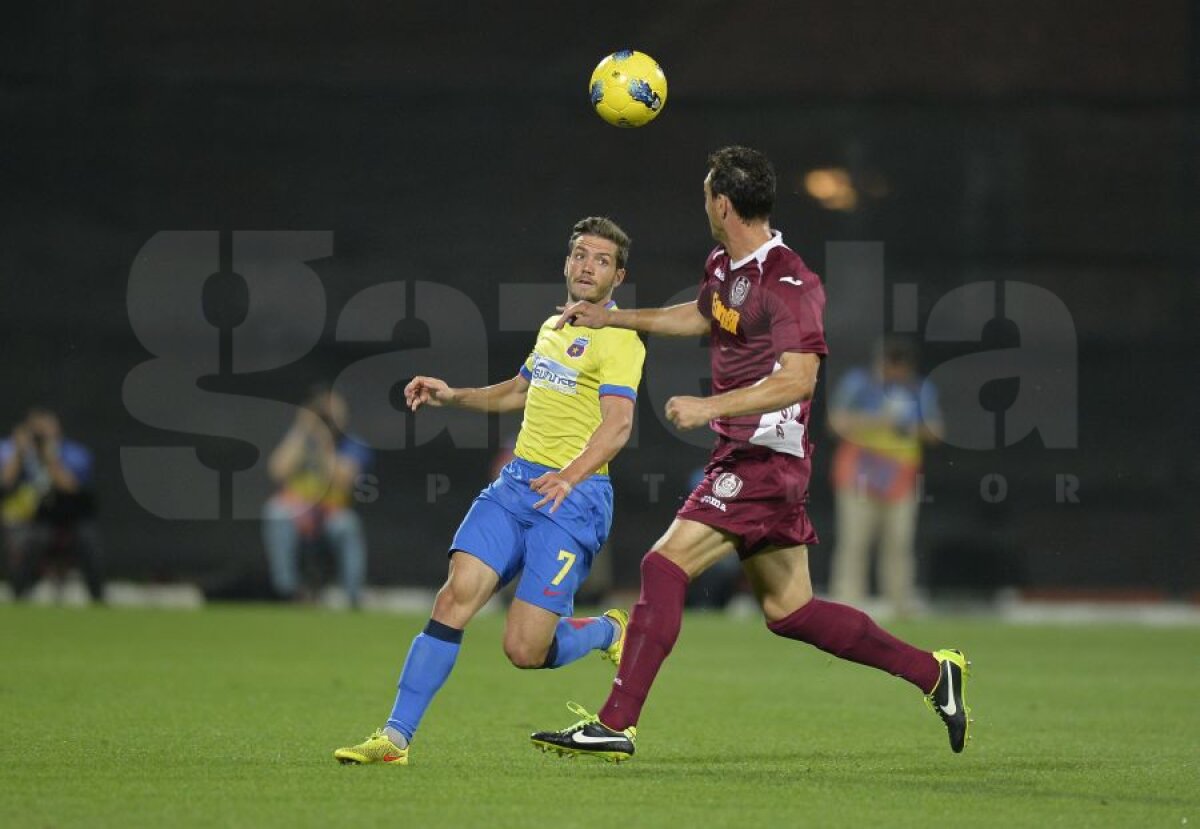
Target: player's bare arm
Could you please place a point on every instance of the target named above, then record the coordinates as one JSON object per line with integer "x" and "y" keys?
{"x": 795, "y": 380}
{"x": 616, "y": 424}
{"x": 683, "y": 320}
{"x": 508, "y": 396}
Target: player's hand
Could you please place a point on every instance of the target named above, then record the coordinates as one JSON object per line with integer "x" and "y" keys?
{"x": 689, "y": 412}
{"x": 427, "y": 390}
{"x": 583, "y": 314}
{"x": 552, "y": 486}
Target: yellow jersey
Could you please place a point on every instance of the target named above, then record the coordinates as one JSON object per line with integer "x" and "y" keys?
{"x": 568, "y": 372}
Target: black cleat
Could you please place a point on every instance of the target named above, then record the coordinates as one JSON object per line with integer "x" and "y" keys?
{"x": 588, "y": 737}
{"x": 948, "y": 698}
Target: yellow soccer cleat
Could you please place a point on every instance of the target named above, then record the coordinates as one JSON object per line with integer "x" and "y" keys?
{"x": 375, "y": 749}
{"x": 949, "y": 697}
{"x": 613, "y": 652}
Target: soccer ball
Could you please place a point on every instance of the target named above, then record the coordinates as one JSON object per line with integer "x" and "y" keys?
{"x": 628, "y": 89}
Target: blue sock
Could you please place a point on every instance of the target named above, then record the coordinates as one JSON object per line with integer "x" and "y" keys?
{"x": 574, "y": 638}
{"x": 429, "y": 662}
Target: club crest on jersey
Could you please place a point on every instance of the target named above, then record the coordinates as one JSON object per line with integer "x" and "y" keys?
{"x": 577, "y": 348}
{"x": 727, "y": 485}
{"x": 739, "y": 291}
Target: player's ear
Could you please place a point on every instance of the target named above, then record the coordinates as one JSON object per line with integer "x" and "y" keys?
{"x": 619, "y": 278}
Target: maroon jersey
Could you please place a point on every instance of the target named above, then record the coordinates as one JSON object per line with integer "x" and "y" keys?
{"x": 760, "y": 307}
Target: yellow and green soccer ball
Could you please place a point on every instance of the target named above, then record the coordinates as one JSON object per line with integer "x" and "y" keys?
{"x": 628, "y": 89}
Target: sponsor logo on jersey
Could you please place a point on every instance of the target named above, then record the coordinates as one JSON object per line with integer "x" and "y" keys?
{"x": 552, "y": 375}
{"x": 727, "y": 318}
{"x": 719, "y": 273}
{"x": 727, "y": 485}
{"x": 739, "y": 291}
{"x": 713, "y": 502}
{"x": 577, "y": 348}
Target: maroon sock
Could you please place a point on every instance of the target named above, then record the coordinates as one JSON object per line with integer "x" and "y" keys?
{"x": 653, "y": 629}
{"x": 851, "y": 634}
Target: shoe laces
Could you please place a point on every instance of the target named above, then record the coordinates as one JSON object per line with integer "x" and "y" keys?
{"x": 579, "y": 711}
{"x": 592, "y": 719}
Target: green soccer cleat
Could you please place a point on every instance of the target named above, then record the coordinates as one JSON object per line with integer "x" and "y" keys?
{"x": 375, "y": 749}
{"x": 948, "y": 699}
{"x": 587, "y": 738}
{"x": 613, "y": 652}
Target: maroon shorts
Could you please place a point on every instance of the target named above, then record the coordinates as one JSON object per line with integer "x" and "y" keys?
{"x": 755, "y": 493}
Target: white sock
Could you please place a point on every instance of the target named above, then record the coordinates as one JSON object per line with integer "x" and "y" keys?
{"x": 398, "y": 739}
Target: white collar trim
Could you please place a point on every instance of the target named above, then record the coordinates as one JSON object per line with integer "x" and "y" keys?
{"x": 760, "y": 254}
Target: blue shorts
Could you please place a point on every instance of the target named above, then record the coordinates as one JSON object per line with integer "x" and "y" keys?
{"x": 555, "y": 551}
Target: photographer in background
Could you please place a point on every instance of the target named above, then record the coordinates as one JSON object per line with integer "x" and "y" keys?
{"x": 885, "y": 415}
{"x": 48, "y": 504}
{"x": 316, "y": 466}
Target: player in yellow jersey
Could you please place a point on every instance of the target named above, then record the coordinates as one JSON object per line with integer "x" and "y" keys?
{"x": 548, "y": 513}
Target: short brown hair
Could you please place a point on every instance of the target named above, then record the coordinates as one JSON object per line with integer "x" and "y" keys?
{"x": 746, "y": 177}
{"x": 605, "y": 228}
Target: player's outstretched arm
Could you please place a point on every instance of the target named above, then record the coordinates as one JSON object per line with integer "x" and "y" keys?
{"x": 616, "y": 423}
{"x": 508, "y": 396}
{"x": 683, "y": 320}
{"x": 794, "y": 381}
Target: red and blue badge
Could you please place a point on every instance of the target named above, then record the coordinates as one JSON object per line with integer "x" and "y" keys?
{"x": 577, "y": 348}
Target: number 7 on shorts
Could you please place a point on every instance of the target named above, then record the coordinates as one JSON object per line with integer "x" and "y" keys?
{"x": 569, "y": 557}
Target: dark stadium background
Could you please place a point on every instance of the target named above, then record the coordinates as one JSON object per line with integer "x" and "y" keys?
{"x": 1050, "y": 144}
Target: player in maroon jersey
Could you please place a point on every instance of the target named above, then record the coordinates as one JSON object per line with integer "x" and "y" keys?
{"x": 762, "y": 309}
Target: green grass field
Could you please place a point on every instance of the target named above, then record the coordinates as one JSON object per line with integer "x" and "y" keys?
{"x": 228, "y": 716}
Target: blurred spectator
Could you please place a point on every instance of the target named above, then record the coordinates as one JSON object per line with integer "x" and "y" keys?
{"x": 884, "y": 415}
{"x": 316, "y": 465}
{"x": 48, "y": 504}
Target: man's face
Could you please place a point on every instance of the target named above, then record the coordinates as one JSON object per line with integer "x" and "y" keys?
{"x": 591, "y": 269}
{"x": 714, "y": 208}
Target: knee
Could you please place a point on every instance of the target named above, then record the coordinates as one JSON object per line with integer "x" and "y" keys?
{"x": 524, "y": 653}
{"x": 458, "y": 600}
{"x": 775, "y": 610}
{"x": 666, "y": 562}
{"x": 451, "y": 600}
